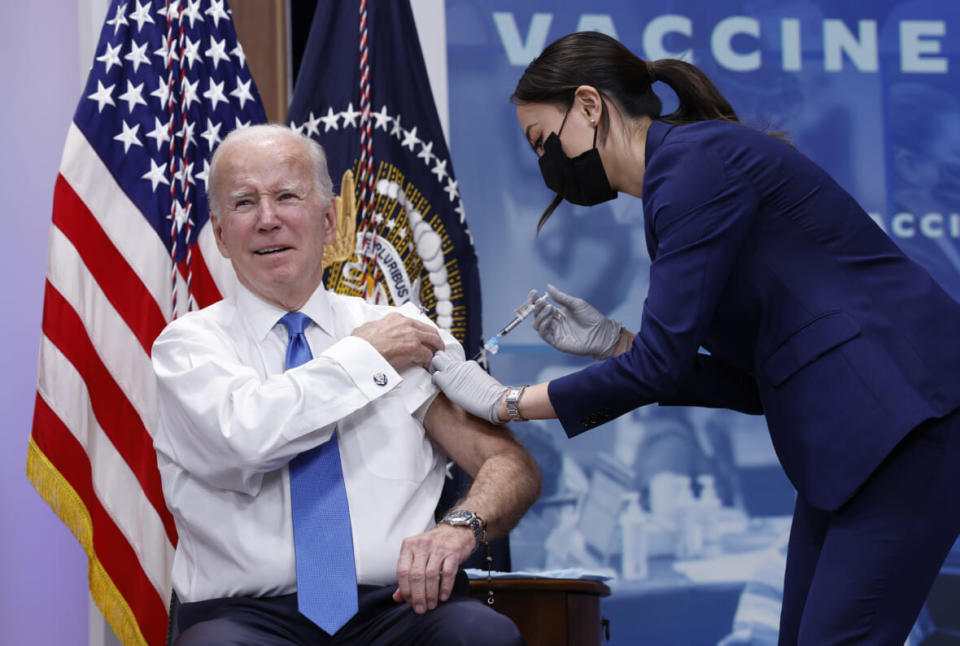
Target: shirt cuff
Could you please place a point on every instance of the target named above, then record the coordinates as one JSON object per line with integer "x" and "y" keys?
{"x": 372, "y": 374}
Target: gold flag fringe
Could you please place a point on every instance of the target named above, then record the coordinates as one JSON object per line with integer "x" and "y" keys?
{"x": 68, "y": 506}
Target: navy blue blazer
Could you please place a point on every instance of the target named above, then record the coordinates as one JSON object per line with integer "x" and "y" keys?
{"x": 808, "y": 311}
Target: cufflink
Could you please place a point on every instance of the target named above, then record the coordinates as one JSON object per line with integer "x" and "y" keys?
{"x": 380, "y": 379}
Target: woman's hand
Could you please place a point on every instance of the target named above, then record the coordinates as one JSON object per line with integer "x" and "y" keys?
{"x": 469, "y": 386}
{"x": 577, "y": 327}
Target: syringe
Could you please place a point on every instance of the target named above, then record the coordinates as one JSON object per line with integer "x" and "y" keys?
{"x": 492, "y": 345}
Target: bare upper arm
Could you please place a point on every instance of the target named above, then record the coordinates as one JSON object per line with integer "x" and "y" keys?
{"x": 468, "y": 440}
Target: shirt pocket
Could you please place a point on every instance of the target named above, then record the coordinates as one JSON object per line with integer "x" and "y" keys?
{"x": 384, "y": 439}
{"x": 809, "y": 343}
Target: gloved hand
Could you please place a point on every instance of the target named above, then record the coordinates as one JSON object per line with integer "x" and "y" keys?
{"x": 468, "y": 385}
{"x": 577, "y": 327}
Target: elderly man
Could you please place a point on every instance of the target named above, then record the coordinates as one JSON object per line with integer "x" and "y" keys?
{"x": 302, "y": 445}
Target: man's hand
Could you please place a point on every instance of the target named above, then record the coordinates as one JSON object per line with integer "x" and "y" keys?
{"x": 402, "y": 341}
{"x": 428, "y": 565}
{"x": 469, "y": 386}
{"x": 577, "y": 327}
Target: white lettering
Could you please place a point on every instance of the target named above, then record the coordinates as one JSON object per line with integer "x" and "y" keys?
{"x": 878, "y": 218}
{"x": 954, "y": 220}
{"x": 722, "y": 46}
{"x": 656, "y": 29}
{"x": 914, "y": 44}
{"x": 602, "y": 22}
{"x": 792, "y": 52}
{"x": 522, "y": 52}
{"x": 861, "y": 49}
{"x": 903, "y": 225}
{"x": 931, "y": 225}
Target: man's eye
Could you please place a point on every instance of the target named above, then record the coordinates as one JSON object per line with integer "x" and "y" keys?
{"x": 240, "y": 203}
{"x": 287, "y": 196}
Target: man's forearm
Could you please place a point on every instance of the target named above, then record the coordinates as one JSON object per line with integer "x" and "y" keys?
{"x": 506, "y": 479}
{"x": 506, "y": 486}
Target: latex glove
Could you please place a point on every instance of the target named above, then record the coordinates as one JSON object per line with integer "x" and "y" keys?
{"x": 576, "y": 328}
{"x": 468, "y": 385}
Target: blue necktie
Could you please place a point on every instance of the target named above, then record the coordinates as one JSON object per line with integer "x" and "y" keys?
{"x": 326, "y": 574}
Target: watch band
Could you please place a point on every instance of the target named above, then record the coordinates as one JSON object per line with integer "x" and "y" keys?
{"x": 512, "y": 401}
{"x": 466, "y": 518}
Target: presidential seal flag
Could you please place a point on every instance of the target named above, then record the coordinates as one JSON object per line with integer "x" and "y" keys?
{"x": 363, "y": 93}
{"x": 130, "y": 249}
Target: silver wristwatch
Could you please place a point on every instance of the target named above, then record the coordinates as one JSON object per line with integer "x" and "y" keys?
{"x": 512, "y": 400}
{"x": 464, "y": 518}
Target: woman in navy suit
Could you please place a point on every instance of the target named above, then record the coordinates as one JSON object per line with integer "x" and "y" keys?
{"x": 808, "y": 312}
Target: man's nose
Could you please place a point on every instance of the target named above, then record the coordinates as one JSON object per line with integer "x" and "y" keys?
{"x": 267, "y": 217}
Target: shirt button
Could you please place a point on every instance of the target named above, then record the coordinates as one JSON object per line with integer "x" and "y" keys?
{"x": 380, "y": 379}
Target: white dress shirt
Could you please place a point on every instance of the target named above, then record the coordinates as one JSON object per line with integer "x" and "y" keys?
{"x": 231, "y": 418}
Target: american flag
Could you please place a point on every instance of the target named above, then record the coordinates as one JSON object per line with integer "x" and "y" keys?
{"x": 129, "y": 251}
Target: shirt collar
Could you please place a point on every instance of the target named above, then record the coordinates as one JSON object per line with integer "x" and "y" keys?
{"x": 262, "y": 316}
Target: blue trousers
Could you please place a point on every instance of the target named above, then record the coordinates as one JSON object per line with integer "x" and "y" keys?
{"x": 860, "y": 574}
{"x": 275, "y": 621}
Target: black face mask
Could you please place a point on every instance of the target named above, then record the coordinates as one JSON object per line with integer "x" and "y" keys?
{"x": 580, "y": 180}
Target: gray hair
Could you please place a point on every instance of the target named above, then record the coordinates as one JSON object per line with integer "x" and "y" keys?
{"x": 315, "y": 155}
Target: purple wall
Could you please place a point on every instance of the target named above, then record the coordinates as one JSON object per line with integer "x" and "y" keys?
{"x": 43, "y": 593}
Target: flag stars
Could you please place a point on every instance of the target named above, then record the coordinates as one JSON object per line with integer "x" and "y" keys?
{"x": 330, "y": 120}
{"x": 410, "y": 139}
{"x": 142, "y": 15}
{"x": 185, "y": 175}
{"x": 440, "y": 170}
{"x": 240, "y": 124}
{"x": 129, "y": 136}
{"x": 189, "y": 93}
{"x": 162, "y": 92}
{"x": 179, "y": 215}
{"x": 102, "y": 96}
{"x": 212, "y": 134}
{"x": 166, "y": 51}
{"x": 191, "y": 52}
{"x": 383, "y": 119}
{"x": 119, "y": 18}
{"x": 350, "y": 116}
{"x": 174, "y": 9}
{"x": 311, "y": 126}
{"x": 215, "y": 94}
{"x": 451, "y": 189}
{"x": 426, "y": 152}
{"x": 156, "y": 175}
{"x": 242, "y": 92}
{"x": 193, "y": 12}
{"x": 186, "y": 132}
{"x": 133, "y": 96}
{"x": 238, "y": 52}
{"x": 160, "y": 132}
{"x": 397, "y": 131}
{"x": 138, "y": 55}
{"x": 205, "y": 173}
{"x": 110, "y": 57}
{"x": 216, "y": 12}
{"x": 217, "y": 51}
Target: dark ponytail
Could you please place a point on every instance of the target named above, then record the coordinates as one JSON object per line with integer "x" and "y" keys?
{"x": 595, "y": 59}
{"x": 592, "y": 58}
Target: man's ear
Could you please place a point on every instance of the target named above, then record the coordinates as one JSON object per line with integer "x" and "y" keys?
{"x": 218, "y": 235}
{"x": 330, "y": 221}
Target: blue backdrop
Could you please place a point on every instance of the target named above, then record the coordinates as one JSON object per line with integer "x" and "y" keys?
{"x": 866, "y": 89}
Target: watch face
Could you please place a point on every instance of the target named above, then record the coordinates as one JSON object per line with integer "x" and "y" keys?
{"x": 460, "y": 516}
